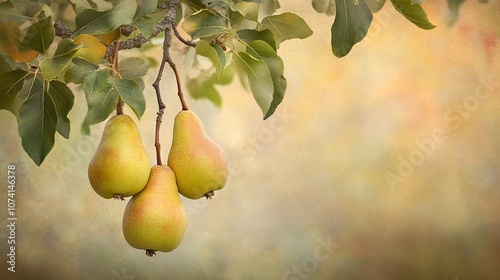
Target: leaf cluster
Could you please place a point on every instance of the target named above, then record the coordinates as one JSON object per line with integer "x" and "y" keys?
{"x": 50, "y": 49}
{"x": 37, "y": 67}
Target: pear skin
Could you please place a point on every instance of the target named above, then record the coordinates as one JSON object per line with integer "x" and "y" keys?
{"x": 155, "y": 219}
{"x": 200, "y": 165}
{"x": 120, "y": 166}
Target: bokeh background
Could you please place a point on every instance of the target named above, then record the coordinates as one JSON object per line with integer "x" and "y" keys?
{"x": 381, "y": 165}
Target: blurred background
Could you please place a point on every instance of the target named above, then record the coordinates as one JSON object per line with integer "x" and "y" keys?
{"x": 381, "y": 165}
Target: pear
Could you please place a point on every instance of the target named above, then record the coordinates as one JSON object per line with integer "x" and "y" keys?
{"x": 155, "y": 219}
{"x": 199, "y": 164}
{"x": 120, "y": 165}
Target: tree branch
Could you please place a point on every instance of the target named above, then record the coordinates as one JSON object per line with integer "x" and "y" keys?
{"x": 166, "y": 24}
{"x": 62, "y": 30}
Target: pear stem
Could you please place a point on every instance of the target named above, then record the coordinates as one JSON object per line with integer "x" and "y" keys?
{"x": 113, "y": 59}
{"x": 167, "y": 24}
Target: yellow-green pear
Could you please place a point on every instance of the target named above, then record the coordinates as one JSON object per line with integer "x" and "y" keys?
{"x": 199, "y": 164}
{"x": 120, "y": 166}
{"x": 155, "y": 219}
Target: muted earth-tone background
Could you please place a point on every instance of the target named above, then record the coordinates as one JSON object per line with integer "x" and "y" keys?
{"x": 380, "y": 165}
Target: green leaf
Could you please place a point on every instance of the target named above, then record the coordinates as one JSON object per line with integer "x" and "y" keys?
{"x": 249, "y": 10}
{"x": 145, "y": 7}
{"x": 259, "y": 79}
{"x": 287, "y": 26}
{"x": 199, "y": 88}
{"x": 321, "y": 6}
{"x": 375, "y": 5}
{"x": 235, "y": 18}
{"x": 141, "y": 20}
{"x": 37, "y": 122}
{"x": 63, "y": 99}
{"x": 10, "y": 84}
{"x": 4, "y": 65}
{"x": 78, "y": 71}
{"x": 264, "y": 51}
{"x": 53, "y": 66}
{"x": 145, "y": 25}
{"x": 266, "y": 35}
{"x": 19, "y": 11}
{"x": 195, "y": 5}
{"x": 204, "y": 23}
{"x": 103, "y": 22}
{"x": 413, "y": 12}
{"x": 350, "y": 26}
{"x": 132, "y": 95}
{"x": 132, "y": 68}
{"x": 39, "y": 35}
{"x": 10, "y": 43}
{"x": 266, "y": 8}
{"x": 454, "y": 10}
{"x": 101, "y": 98}
{"x": 214, "y": 53}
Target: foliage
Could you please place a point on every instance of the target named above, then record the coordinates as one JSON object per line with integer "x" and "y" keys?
{"x": 46, "y": 45}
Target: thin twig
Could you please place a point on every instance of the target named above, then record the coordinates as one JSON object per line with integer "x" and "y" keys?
{"x": 184, "y": 41}
{"x": 168, "y": 58}
{"x": 166, "y": 25}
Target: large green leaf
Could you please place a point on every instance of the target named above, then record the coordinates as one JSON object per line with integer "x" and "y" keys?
{"x": 266, "y": 35}
{"x": 249, "y": 10}
{"x": 101, "y": 98}
{"x": 132, "y": 95}
{"x": 266, "y": 8}
{"x": 142, "y": 21}
{"x": 63, "y": 99}
{"x": 37, "y": 122}
{"x": 78, "y": 71}
{"x": 263, "y": 51}
{"x": 212, "y": 52}
{"x": 39, "y": 35}
{"x": 103, "y": 22}
{"x": 10, "y": 84}
{"x": 145, "y": 25}
{"x": 132, "y": 68}
{"x": 204, "y": 23}
{"x": 287, "y": 26}
{"x": 145, "y": 7}
{"x": 53, "y": 66}
{"x": 259, "y": 79}
{"x": 413, "y": 12}
{"x": 350, "y": 26}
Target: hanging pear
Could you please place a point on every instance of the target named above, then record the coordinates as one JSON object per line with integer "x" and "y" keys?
{"x": 199, "y": 164}
{"x": 120, "y": 166}
{"x": 155, "y": 219}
